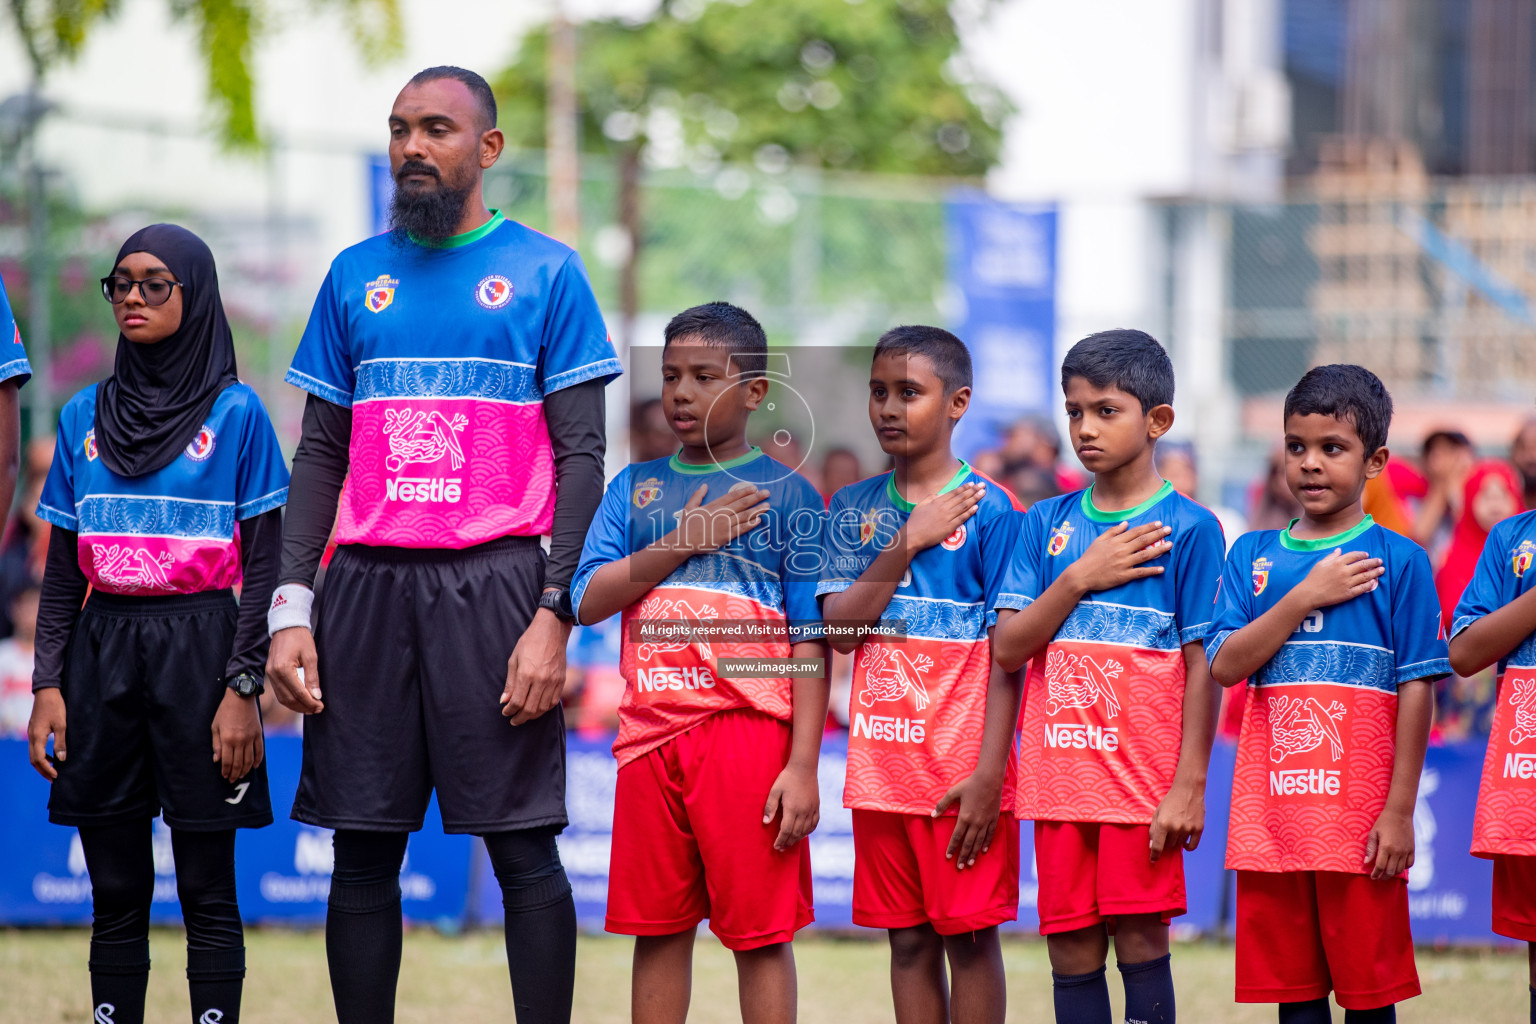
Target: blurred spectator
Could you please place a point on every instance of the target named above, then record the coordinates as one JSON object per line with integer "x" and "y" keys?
{"x": 786, "y": 447}
{"x": 1177, "y": 464}
{"x": 1272, "y": 506}
{"x": 593, "y": 683}
{"x": 839, "y": 468}
{"x": 1491, "y": 493}
{"x": 1030, "y": 484}
{"x": 1030, "y": 442}
{"x": 989, "y": 463}
{"x": 1386, "y": 496}
{"x": 16, "y": 663}
{"x": 24, "y": 547}
{"x": 1448, "y": 459}
{"x": 650, "y": 433}
{"x": 1523, "y": 454}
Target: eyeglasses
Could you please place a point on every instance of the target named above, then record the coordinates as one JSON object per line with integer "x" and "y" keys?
{"x": 153, "y": 290}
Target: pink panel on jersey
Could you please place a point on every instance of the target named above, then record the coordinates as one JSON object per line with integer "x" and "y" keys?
{"x": 446, "y": 473}
{"x": 916, "y": 714}
{"x": 1314, "y": 764}
{"x": 1101, "y": 730}
{"x": 672, "y": 687}
{"x": 158, "y": 565}
{"x": 1505, "y": 822}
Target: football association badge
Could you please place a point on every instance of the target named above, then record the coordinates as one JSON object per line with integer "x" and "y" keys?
{"x": 867, "y": 527}
{"x": 1261, "y": 567}
{"x": 1059, "y": 537}
{"x": 646, "y": 491}
{"x": 954, "y": 540}
{"x": 379, "y": 293}
{"x": 1521, "y": 558}
{"x": 90, "y": 446}
{"x": 493, "y": 292}
{"x": 201, "y": 446}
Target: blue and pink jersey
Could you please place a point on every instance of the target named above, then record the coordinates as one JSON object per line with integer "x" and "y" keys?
{"x": 1319, "y": 734}
{"x": 13, "y": 358}
{"x": 444, "y": 355}
{"x": 1505, "y": 822}
{"x": 172, "y": 531}
{"x": 919, "y": 700}
{"x": 758, "y": 592}
{"x": 1103, "y": 716}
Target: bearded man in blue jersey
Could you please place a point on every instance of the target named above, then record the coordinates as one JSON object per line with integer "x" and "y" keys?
{"x": 455, "y": 370}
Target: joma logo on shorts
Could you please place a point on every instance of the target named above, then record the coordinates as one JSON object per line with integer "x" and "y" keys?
{"x": 1065, "y": 736}
{"x": 888, "y": 729}
{"x": 696, "y": 677}
{"x": 421, "y": 488}
{"x": 1520, "y": 766}
{"x": 1304, "y": 782}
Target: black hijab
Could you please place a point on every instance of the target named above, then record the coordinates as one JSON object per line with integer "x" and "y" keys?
{"x": 158, "y": 396}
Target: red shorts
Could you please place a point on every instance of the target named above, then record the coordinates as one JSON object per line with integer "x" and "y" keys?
{"x": 689, "y": 841}
{"x": 1093, "y": 872}
{"x": 901, "y": 878}
{"x": 1301, "y": 934}
{"x": 1514, "y": 897}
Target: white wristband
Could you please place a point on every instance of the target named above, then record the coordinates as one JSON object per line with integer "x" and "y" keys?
{"x": 290, "y": 607}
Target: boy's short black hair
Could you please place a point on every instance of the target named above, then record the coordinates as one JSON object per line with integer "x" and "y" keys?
{"x": 1127, "y": 359}
{"x": 477, "y": 86}
{"x": 728, "y": 326}
{"x": 1346, "y": 392}
{"x": 950, "y": 358}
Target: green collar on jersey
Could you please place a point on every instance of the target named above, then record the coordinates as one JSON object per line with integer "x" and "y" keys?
{"x": 1296, "y": 544}
{"x": 458, "y": 241}
{"x": 679, "y": 466}
{"x": 907, "y": 506}
{"x": 1093, "y": 512}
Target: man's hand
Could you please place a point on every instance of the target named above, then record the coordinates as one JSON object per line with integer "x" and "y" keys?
{"x": 536, "y": 670}
{"x": 47, "y": 720}
{"x": 1389, "y": 849}
{"x": 238, "y": 745}
{"x": 1117, "y": 556}
{"x": 1340, "y": 577}
{"x": 939, "y": 515}
{"x": 1178, "y": 821}
{"x": 702, "y": 528}
{"x": 797, "y": 795}
{"x": 293, "y": 653}
{"x": 980, "y": 801}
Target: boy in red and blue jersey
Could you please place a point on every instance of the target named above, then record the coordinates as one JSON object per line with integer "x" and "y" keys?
{"x": 1109, "y": 591}
{"x": 1495, "y": 622}
{"x": 920, "y": 551}
{"x": 723, "y": 542}
{"x": 1335, "y": 623}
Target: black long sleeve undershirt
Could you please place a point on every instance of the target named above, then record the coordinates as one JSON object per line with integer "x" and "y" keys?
{"x": 65, "y": 586}
{"x": 574, "y": 417}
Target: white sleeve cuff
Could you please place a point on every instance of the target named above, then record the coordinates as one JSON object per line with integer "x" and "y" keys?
{"x": 290, "y": 607}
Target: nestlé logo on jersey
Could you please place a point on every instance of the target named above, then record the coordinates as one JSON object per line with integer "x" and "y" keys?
{"x": 493, "y": 292}
{"x": 1080, "y": 682}
{"x": 423, "y": 437}
{"x": 674, "y": 677}
{"x": 1298, "y": 726}
{"x": 201, "y": 446}
{"x": 1059, "y": 537}
{"x": 379, "y": 293}
{"x": 1519, "y": 764}
{"x": 1520, "y": 558}
{"x": 1261, "y": 567}
{"x": 893, "y": 676}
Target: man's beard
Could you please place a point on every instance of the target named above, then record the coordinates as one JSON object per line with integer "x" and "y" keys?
{"x": 427, "y": 214}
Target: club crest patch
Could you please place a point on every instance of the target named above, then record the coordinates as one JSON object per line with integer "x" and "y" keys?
{"x": 493, "y": 292}
{"x": 1059, "y": 537}
{"x": 646, "y": 491}
{"x": 1520, "y": 558}
{"x": 201, "y": 446}
{"x": 90, "y": 446}
{"x": 867, "y": 527}
{"x": 955, "y": 540}
{"x": 379, "y": 293}
{"x": 1261, "y": 567}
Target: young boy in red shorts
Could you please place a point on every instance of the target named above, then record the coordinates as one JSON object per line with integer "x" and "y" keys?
{"x": 725, "y": 542}
{"x": 1110, "y": 592}
{"x": 1335, "y": 624}
{"x": 921, "y": 549}
{"x": 1495, "y": 621}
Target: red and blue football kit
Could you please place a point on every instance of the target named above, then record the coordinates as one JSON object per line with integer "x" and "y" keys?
{"x": 917, "y": 710}
{"x": 698, "y": 751}
{"x": 13, "y": 357}
{"x": 1314, "y": 767}
{"x": 1504, "y": 828}
{"x": 1104, "y": 706}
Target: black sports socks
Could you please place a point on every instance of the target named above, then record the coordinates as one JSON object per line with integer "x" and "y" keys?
{"x": 205, "y": 883}
{"x": 121, "y": 864}
{"x": 1081, "y": 998}
{"x": 540, "y": 923}
{"x": 1149, "y": 990}
{"x": 363, "y": 930}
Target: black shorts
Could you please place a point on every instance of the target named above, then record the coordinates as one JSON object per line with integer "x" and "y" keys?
{"x": 143, "y": 677}
{"x": 413, "y": 648}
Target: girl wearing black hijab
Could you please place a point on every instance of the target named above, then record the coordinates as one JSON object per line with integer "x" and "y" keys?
{"x": 165, "y": 493}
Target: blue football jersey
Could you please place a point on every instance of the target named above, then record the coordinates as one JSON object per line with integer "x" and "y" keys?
{"x": 13, "y": 358}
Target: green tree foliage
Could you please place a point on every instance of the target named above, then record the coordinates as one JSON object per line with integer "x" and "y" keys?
{"x": 54, "y": 32}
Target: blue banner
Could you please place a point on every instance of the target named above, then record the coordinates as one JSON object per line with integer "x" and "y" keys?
{"x": 1002, "y": 274}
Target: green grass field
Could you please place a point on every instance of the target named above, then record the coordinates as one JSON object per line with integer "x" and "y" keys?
{"x": 43, "y": 980}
